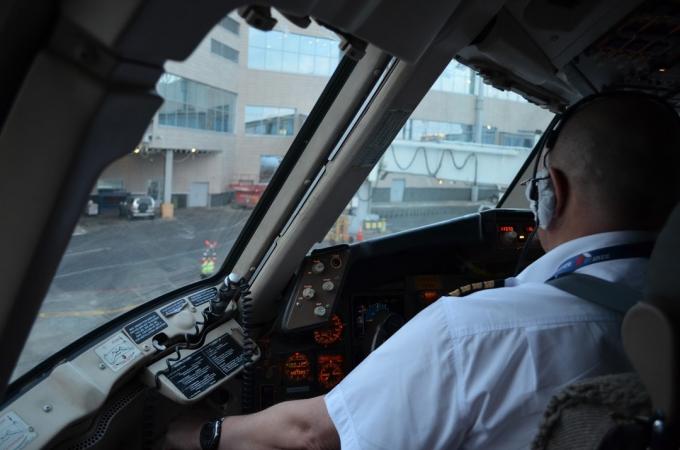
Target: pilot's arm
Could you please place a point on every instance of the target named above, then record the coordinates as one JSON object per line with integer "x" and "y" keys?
{"x": 298, "y": 424}
{"x": 402, "y": 396}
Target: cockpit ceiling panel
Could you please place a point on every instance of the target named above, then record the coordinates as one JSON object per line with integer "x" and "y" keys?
{"x": 649, "y": 37}
{"x": 643, "y": 51}
{"x": 153, "y": 31}
{"x": 563, "y": 29}
{"x": 626, "y": 45}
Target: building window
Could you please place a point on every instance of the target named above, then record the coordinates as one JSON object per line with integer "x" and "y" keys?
{"x": 223, "y": 50}
{"x": 455, "y": 78}
{"x": 268, "y": 165}
{"x": 290, "y": 52}
{"x": 230, "y": 24}
{"x": 489, "y": 135}
{"x": 517, "y": 139}
{"x": 267, "y": 120}
{"x": 190, "y": 104}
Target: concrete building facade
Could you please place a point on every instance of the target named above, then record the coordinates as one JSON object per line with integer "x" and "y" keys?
{"x": 233, "y": 107}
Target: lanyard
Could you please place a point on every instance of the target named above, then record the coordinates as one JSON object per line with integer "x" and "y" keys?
{"x": 637, "y": 250}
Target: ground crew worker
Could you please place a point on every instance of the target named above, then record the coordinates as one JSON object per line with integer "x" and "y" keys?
{"x": 208, "y": 259}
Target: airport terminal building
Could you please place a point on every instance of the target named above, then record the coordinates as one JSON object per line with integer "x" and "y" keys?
{"x": 232, "y": 110}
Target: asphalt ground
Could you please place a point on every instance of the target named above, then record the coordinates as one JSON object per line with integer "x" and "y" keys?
{"x": 113, "y": 265}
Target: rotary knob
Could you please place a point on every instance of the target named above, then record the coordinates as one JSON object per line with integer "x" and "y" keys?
{"x": 328, "y": 286}
{"x": 320, "y": 311}
{"x": 318, "y": 268}
{"x": 308, "y": 293}
{"x": 509, "y": 237}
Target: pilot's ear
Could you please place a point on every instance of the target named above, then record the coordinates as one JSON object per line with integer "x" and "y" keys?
{"x": 562, "y": 190}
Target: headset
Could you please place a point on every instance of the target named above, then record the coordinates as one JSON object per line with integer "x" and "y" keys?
{"x": 540, "y": 192}
{"x": 538, "y": 185}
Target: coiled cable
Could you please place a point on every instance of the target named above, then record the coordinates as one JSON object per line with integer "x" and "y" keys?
{"x": 191, "y": 341}
{"x": 249, "y": 347}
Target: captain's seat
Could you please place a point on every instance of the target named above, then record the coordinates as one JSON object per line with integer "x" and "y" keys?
{"x": 631, "y": 410}
{"x": 650, "y": 334}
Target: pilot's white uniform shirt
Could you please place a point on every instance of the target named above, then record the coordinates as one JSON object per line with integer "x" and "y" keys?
{"x": 478, "y": 371}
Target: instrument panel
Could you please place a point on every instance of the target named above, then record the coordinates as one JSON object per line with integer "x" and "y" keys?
{"x": 316, "y": 289}
{"x": 374, "y": 293}
{"x": 514, "y": 234}
{"x": 303, "y": 364}
{"x": 331, "y": 333}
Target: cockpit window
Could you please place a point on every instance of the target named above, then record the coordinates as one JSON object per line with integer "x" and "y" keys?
{"x": 456, "y": 154}
{"x": 168, "y": 213}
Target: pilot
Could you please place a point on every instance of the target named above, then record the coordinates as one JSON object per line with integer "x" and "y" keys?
{"x": 478, "y": 371}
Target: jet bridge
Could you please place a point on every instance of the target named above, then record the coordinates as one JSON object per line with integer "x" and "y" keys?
{"x": 467, "y": 162}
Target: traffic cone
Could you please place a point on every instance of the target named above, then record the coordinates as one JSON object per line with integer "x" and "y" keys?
{"x": 360, "y": 235}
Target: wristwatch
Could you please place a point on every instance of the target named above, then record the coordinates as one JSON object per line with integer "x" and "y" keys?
{"x": 210, "y": 434}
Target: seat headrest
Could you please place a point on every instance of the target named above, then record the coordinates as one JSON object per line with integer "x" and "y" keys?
{"x": 663, "y": 278}
{"x": 649, "y": 330}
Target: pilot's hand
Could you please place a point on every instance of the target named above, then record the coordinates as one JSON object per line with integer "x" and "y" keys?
{"x": 183, "y": 433}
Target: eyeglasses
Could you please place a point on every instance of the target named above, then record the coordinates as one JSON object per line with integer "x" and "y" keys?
{"x": 532, "y": 179}
{"x": 532, "y": 188}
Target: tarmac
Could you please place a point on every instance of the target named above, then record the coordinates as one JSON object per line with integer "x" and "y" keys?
{"x": 113, "y": 265}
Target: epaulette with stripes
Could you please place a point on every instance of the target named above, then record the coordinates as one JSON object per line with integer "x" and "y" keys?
{"x": 475, "y": 287}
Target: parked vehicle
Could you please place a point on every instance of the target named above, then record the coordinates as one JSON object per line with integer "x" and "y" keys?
{"x": 247, "y": 195}
{"x": 138, "y": 206}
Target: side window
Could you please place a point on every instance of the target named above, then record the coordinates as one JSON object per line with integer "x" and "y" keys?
{"x": 456, "y": 154}
{"x": 167, "y": 214}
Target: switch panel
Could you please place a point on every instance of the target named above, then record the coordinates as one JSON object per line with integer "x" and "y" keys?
{"x": 316, "y": 290}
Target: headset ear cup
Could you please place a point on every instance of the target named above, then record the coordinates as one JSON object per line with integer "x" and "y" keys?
{"x": 533, "y": 191}
{"x": 546, "y": 206}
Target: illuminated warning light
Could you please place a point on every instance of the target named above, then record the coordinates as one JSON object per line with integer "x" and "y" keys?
{"x": 506, "y": 229}
{"x": 331, "y": 370}
{"x": 330, "y": 334}
{"x": 530, "y": 229}
{"x": 429, "y": 296}
{"x": 521, "y": 237}
{"x": 297, "y": 367}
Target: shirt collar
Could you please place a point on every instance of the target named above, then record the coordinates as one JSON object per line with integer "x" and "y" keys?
{"x": 545, "y": 266}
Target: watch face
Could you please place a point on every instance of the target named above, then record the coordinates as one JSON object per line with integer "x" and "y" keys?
{"x": 210, "y": 434}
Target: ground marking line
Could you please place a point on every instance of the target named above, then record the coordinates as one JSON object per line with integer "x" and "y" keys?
{"x": 92, "y": 250}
